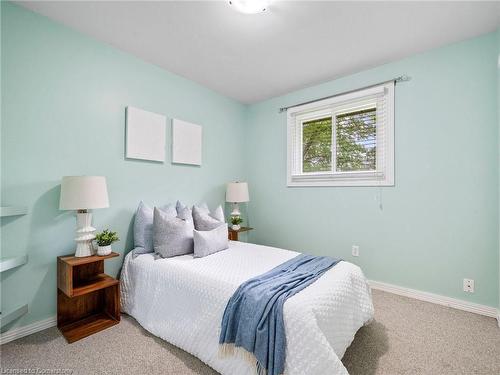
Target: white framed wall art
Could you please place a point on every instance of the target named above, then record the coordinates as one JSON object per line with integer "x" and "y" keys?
{"x": 145, "y": 135}
{"x": 186, "y": 142}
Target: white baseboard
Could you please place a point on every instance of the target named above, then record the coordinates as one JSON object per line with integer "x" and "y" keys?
{"x": 18, "y": 332}
{"x": 437, "y": 299}
{"x": 498, "y": 318}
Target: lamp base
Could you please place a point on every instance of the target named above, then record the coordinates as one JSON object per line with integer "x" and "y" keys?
{"x": 84, "y": 249}
{"x": 84, "y": 235}
{"x": 236, "y": 210}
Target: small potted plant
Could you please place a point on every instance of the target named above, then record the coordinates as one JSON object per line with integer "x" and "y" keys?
{"x": 236, "y": 221}
{"x": 104, "y": 241}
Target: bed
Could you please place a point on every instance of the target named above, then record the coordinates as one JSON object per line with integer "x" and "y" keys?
{"x": 182, "y": 300}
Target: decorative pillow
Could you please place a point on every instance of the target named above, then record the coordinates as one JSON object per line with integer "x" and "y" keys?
{"x": 205, "y": 220}
{"x": 173, "y": 236}
{"x": 211, "y": 241}
{"x": 179, "y": 206}
{"x": 143, "y": 227}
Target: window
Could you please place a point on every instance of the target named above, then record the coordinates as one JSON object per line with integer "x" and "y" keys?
{"x": 347, "y": 140}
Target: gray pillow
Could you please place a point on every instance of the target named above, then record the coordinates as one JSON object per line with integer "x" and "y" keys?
{"x": 143, "y": 227}
{"x": 210, "y": 242}
{"x": 205, "y": 220}
{"x": 173, "y": 236}
{"x": 179, "y": 206}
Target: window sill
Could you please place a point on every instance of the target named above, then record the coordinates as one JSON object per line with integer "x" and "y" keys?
{"x": 328, "y": 180}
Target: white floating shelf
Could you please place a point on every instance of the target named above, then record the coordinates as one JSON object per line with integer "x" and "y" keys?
{"x": 13, "y": 210}
{"x": 12, "y": 262}
{"x": 10, "y": 316}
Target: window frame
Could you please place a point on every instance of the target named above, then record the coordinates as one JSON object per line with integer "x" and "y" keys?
{"x": 296, "y": 116}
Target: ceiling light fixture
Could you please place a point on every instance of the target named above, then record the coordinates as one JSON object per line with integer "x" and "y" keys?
{"x": 249, "y": 6}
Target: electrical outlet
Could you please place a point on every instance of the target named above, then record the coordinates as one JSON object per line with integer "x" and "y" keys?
{"x": 469, "y": 285}
{"x": 355, "y": 250}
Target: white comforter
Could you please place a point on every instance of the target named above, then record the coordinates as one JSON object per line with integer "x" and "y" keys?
{"x": 182, "y": 301}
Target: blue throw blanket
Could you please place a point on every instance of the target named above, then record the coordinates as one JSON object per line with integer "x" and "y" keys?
{"x": 253, "y": 318}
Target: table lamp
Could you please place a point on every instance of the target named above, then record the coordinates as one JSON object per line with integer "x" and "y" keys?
{"x": 82, "y": 193}
{"x": 237, "y": 192}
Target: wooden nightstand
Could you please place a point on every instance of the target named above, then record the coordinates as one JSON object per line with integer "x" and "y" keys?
{"x": 233, "y": 234}
{"x": 88, "y": 300}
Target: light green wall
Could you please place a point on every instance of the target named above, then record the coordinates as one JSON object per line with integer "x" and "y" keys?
{"x": 64, "y": 96}
{"x": 63, "y": 113}
{"x": 439, "y": 224}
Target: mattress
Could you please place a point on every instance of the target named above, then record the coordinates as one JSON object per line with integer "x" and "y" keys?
{"x": 182, "y": 300}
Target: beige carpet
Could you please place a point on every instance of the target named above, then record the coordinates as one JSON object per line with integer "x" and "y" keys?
{"x": 407, "y": 337}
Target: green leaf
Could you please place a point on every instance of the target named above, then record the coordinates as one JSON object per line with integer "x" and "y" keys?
{"x": 106, "y": 237}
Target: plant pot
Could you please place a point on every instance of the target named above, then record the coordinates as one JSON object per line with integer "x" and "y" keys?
{"x": 236, "y": 227}
{"x": 103, "y": 250}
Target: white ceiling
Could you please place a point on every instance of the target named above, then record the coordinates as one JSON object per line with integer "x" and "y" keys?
{"x": 292, "y": 45}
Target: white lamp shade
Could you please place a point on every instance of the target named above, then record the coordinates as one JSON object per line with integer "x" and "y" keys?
{"x": 83, "y": 192}
{"x": 237, "y": 192}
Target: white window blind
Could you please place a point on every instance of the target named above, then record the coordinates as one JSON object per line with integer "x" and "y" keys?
{"x": 347, "y": 140}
